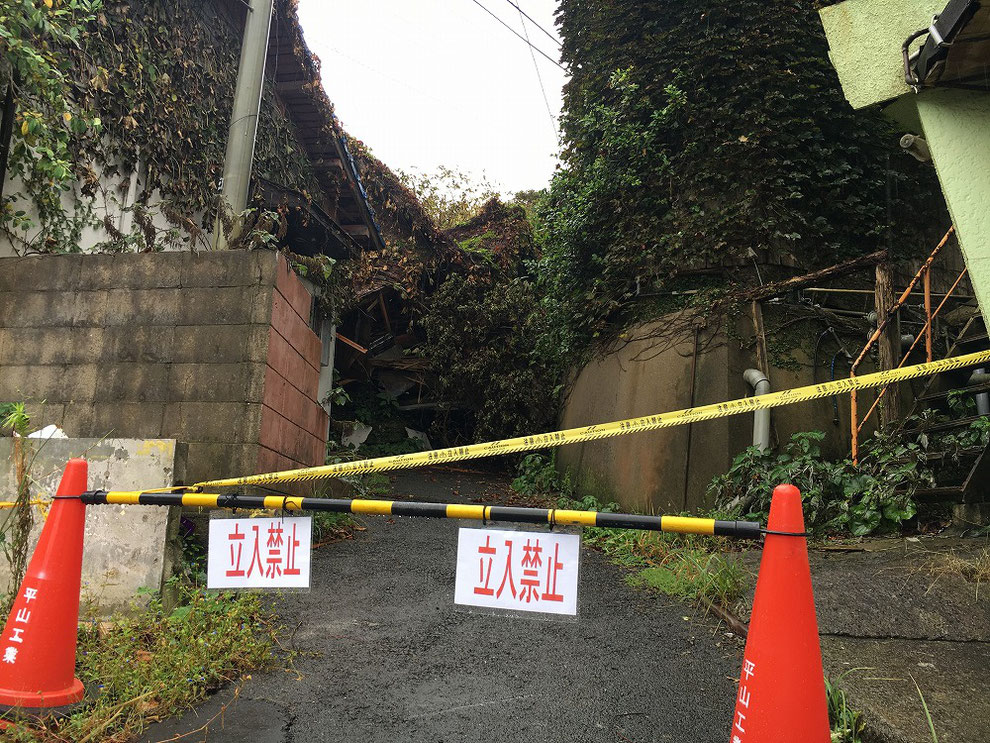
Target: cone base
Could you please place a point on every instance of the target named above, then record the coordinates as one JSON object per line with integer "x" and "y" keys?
{"x": 42, "y": 700}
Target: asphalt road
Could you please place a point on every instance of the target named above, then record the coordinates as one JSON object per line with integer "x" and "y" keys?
{"x": 388, "y": 657}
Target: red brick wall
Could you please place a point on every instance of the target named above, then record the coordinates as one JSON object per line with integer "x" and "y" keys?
{"x": 293, "y": 423}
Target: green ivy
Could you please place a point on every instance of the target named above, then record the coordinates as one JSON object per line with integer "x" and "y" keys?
{"x": 481, "y": 336}
{"x": 105, "y": 90}
{"x": 696, "y": 133}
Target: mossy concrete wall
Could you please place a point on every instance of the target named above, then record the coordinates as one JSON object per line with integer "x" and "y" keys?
{"x": 126, "y": 548}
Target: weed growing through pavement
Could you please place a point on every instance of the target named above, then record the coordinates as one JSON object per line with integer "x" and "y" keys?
{"x": 847, "y": 724}
{"x": 974, "y": 568}
{"x": 146, "y": 667}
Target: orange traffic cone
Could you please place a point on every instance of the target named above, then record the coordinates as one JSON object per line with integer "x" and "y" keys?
{"x": 38, "y": 644}
{"x": 781, "y": 695}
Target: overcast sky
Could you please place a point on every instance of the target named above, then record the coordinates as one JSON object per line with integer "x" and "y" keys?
{"x": 426, "y": 83}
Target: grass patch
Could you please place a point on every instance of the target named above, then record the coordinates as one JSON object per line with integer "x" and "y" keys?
{"x": 687, "y": 567}
{"x": 333, "y": 527}
{"x": 144, "y": 668}
{"x": 690, "y": 567}
{"x": 974, "y": 568}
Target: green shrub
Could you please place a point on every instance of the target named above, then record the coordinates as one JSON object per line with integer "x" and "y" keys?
{"x": 874, "y": 496}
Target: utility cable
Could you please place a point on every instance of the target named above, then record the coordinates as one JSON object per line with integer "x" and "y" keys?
{"x": 518, "y": 35}
{"x": 539, "y": 77}
{"x": 529, "y": 18}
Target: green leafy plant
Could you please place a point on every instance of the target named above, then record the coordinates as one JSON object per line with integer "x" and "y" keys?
{"x": 14, "y": 418}
{"x": 875, "y": 495}
{"x": 537, "y": 474}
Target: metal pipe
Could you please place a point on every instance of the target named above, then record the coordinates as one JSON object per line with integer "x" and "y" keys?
{"x": 980, "y": 376}
{"x": 761, "y": 418}
{"x": 247, "y": 107}
{"x": 882, "y": 323}
{"x": 549, "y": 516}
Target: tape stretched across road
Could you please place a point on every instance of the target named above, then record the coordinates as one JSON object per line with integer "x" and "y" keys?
{"x": 606, "y": 430}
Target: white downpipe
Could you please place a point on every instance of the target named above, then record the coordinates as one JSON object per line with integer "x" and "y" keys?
{"x": 761, "y": 418}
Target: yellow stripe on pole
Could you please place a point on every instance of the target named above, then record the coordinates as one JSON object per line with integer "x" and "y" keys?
{"x": 461, "y": 511}
{"x": 203, "y": 500}
{"x": 374, "y": 507}
{"x": 582, "y": 518}
{"x": 124, "y": 497}
{"x": 687, "y": 525}
{"x": 607, "y": 430}
{"x": 286, "y": 503}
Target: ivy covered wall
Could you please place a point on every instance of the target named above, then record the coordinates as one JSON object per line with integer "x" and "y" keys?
{"x": 150, "y": 86}
{"x": 712, "y": 134}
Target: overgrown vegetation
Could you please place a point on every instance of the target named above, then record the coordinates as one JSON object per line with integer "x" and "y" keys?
{"x": 104, "y": 90}
{"x": 874, "y": 496}
{"x": 705, "y": 136}
{"x": 838, "y": 496}
{"x": 693, "y": 568}
{"x": 16, "y": 523}
{"x": 481, "y": 334}
{"x": 158, "y": 662}
{"x": 449, "y": 196}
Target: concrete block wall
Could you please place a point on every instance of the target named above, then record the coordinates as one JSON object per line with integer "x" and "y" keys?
{"x": 211, "y": 349}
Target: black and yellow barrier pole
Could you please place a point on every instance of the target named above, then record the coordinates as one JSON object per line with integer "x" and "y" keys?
{"x": 548, "y": 516}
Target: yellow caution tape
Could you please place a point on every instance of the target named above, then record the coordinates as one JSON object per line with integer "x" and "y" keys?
{"x": 607, "y": 430}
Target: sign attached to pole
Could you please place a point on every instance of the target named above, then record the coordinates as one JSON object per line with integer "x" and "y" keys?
{"x": 259, "y": 553}
{"x": 518, "y": 570}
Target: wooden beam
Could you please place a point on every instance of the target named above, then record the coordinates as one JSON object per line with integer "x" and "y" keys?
{"x": 328, "y": 164}
{"x": 356, "y": 346}
{"x": 290, "y": 86}
{"x": 780, "y": 287}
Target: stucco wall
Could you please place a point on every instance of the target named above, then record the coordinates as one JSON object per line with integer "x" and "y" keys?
{"x": 669, "y": 470}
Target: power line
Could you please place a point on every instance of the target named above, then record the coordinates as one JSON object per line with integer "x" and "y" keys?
{"x": 530, "y": 19}
{"x": 518, "y": 35}
{"x": 539, "y": 77}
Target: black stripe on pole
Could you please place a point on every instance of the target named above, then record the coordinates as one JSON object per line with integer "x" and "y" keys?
{"x": 519, "y": 515}
{"x": 627, "y": 521}
{"x": 427, "y": 510}
{"x": 739, "y": 529}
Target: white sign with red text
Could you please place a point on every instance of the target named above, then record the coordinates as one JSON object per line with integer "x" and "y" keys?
{"x": 517, "y": 570}
{"x": 259, "y": 553}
